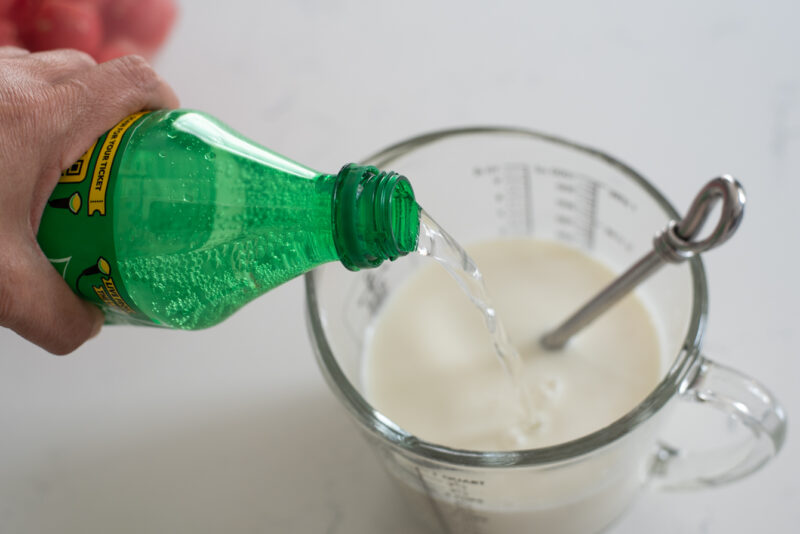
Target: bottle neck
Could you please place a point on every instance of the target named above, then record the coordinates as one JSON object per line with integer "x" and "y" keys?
{"x": 375, "y": 216}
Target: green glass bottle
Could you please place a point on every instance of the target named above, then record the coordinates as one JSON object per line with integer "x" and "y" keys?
{"x": 173, "y": 219}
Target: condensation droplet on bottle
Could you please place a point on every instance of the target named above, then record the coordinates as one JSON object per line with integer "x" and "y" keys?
{"x": 172, "y": 135}
{"x": 162, "y": 154}
{"x": 210, "y": 156}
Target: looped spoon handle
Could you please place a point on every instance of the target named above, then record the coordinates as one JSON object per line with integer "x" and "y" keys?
{"x": 676, "y": 243}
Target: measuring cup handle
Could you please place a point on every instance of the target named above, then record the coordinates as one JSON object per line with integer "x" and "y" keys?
{"x": 738, "y": 398}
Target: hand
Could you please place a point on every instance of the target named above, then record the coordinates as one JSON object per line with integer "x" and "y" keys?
{"x": 53, "y": 106}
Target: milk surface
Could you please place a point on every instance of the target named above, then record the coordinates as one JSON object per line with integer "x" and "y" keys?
{"x": 431, "y": 368}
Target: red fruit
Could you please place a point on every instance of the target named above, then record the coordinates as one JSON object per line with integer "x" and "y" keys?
{"x": 23, "y": 11}
{"x": 5, "y": 6}
{"x": 64, "y": 24}
{"x": 145, "y": 21}
{"x": 97, "y": 4}
{"x": 8, "y": 34}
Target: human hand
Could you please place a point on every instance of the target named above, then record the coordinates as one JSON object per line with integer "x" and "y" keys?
{"x": 53, "y": 106}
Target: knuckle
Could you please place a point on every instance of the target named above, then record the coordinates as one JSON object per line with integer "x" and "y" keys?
{"x": 52, "y": 64}
{"x": 79, "y": 57}
{"x": 137, "y": 71}
{"x": 63, "y": 57}
{"x": 12, "y": 51}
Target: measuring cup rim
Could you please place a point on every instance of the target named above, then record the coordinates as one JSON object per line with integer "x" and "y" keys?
{"x": 677, "y": 378}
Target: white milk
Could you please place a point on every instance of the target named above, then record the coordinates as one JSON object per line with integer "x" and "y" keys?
{"x": 431, "y": 368}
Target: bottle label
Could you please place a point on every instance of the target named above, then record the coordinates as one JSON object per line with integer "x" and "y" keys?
{"x": 76, "y": 232}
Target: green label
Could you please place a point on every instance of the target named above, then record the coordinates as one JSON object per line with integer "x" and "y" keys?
{"x": 76, "y": 232}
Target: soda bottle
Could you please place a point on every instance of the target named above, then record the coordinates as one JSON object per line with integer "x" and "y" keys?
{"x": 171, "y": 218}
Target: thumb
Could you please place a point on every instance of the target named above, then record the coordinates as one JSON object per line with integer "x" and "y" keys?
{"x": 36, "y": 303}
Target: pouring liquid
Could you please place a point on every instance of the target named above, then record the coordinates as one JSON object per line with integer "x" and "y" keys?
{"x": 437, "y": 244}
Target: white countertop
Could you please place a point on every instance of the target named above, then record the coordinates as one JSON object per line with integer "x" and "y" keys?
{"x": 233, "y": 429}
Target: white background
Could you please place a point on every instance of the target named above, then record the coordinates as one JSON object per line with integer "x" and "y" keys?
{"x": 233, "y": 429}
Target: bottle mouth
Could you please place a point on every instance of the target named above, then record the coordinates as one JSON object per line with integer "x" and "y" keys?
{"x": 403, "y": 215}
{"x": 376, "y": 216}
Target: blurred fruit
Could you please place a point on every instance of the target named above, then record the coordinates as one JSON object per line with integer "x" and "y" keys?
{"x": 8, "y": 34}
{"x": 5, "y": 6}
{"x": 65, "y": 24}
{"x": 22, "y": 13}
{"x": 103, "y": 28}
{"x": 146, "y": 22}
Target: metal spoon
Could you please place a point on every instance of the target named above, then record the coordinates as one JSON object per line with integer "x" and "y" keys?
{"x": 673, "y": 245}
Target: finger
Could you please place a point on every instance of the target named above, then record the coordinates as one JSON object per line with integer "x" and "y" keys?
{"x": 108, "y": 93}
{"x": 7, "y": 52}
{"x": 145, "y": 88}
{"x": 57, "y": 65}
{"x": 37, "y": 304}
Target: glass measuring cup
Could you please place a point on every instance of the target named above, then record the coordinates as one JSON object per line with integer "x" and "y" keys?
{"x": 485, "y": 183}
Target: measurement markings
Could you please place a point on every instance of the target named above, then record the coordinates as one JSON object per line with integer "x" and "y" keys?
{"x": 617, "y": 238}
{"x": 527, "y": 185}
{"x": 557, "y": 171}
{"x": 513, "y": 202}
{"x": 622, "y": 199}
{"x": 576, "y": 207}
{"x": 591, "y": 229}
{"x": 565, "y": 187}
